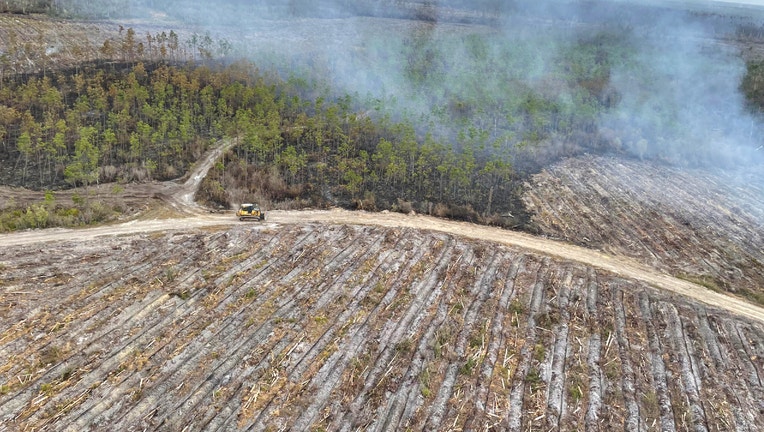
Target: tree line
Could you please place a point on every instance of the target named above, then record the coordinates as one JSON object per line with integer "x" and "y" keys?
{"x": 752, "y": 85}
{"x": 495, "y": 113}
{"x": 151, "y": 121}
{"x": 104, "y": 124}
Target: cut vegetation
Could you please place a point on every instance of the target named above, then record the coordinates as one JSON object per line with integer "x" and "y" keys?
{"x": 633, "y": 302}
{"x": 314, "y": 326}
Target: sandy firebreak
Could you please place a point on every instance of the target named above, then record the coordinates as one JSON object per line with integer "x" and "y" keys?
{"x": 621, "y": 266}
{"x": 180, "y": 197}
{"x": 347, "y": 320}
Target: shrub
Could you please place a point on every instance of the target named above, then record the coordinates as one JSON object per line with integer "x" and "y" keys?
{"x": 403, "y": 206}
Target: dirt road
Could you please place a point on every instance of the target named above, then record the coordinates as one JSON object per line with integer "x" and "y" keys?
{"x": 191, "y": 215}
{"x": 619, "y": 265}
{"x": 342, "y": 320}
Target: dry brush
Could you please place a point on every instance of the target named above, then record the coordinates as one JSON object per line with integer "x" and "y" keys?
{"x": 309, "y": 327}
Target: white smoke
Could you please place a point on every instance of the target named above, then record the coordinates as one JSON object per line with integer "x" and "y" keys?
{"x": 679, "y": 99}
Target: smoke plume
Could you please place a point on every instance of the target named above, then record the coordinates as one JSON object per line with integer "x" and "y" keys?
{"x": 668, "y": 87}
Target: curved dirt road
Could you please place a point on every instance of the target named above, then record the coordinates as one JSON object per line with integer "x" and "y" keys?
{"x": 180, "y": 197}
{"x": 623, "y": 267}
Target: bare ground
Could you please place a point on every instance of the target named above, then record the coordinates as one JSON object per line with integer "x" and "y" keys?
{"x": 343, "y": 320}
{"x": 323, "y": 325}
{"x": 708, "y": 228}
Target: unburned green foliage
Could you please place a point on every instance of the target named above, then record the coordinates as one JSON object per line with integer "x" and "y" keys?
{"x": 51, "y": 214}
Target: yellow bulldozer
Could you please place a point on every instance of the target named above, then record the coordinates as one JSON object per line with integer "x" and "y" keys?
{"x": 250, "y": 212}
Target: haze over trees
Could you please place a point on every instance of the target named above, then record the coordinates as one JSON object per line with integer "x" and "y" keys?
{"x": 321, "y": 320}
{"x": 448, "y": 124}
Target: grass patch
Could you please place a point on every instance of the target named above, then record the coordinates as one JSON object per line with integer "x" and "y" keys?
{"x": 539, "y": 352}
{"x": 468, "y": 367}
{"x": 516, "y": 306}
{"x": 650, "y": 404}
{"x": 754, "y": 296}
{"x": 440, "y": 342}
{"x": 46, "y": 388}
{"x": 575, "y": 393}
{"x": 424, "y": 381}
{"x": 478, "y": 339}
{"x": 702, "y": 280}
{"x": 50, "y": 214}
{"x": 534, "y": 379}
{"x": 404, "y": 346}
{"x": 576, "y": 387}
{"x": 170, "y": 273}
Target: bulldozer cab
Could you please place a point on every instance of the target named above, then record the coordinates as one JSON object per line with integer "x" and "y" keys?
{"x": 250, "y": 211}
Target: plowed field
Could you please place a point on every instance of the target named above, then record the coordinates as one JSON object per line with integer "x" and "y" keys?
{"x": 342, "y": 327}
{"x": 703, "y": 227}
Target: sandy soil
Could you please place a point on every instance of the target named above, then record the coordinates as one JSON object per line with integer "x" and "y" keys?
{"x": 342, "y": 320}
{"x": 179, "y": 196}
{"x": 622, "y": 266}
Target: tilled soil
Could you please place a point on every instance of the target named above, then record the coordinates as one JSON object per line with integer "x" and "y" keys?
{"x": 309, "y": 326}
{"x": 708, "y": 228}
{"x": 388, "y": 326}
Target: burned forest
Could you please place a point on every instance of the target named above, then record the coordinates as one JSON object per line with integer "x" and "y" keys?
{"x": 477, "y": 216}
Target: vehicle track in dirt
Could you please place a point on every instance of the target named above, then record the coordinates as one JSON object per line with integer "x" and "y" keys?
{"x": 621, "y": 266}
{"x": 292, "y": 324}
{"x": 343, "y": 320}
{"x": 179, "y": 196}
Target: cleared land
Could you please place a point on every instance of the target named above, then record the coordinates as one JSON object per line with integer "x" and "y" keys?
{"x": 706, "y": 228}
{"x": 358, "y": 320}
{"x": 340, "y": 327}
{"x": 345, "y": 321}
